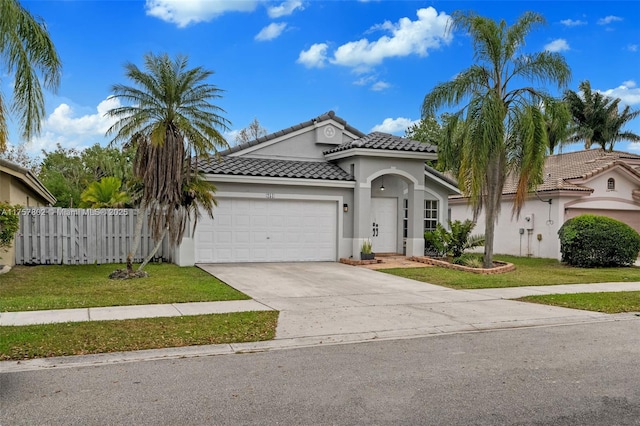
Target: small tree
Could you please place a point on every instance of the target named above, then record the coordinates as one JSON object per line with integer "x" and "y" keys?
{"x": 453, "y": 243}
{"x": 591, "y": 241}
{"x": 105, "y": 193}
{"x": 250, "y": 133}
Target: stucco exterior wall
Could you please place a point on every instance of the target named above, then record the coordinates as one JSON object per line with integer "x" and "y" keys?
{"x": 542, "y": 239}
{"x": 516, "y": 236}
{"x": 308, "y": 144}
{"x": 13, "y": 191}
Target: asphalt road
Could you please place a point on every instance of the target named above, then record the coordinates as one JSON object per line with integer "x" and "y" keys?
{"x": 586, "y": 374}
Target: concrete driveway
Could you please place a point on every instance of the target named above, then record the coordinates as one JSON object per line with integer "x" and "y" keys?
{"x": 345, "y": 303}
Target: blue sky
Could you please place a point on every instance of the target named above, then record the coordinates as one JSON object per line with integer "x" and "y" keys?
{"x": 285, "y": 62}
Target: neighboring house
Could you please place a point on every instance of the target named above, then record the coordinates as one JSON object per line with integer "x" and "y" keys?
{"x": 19, "y": 186}
{"x": 591, "y": 181}
{"x": 315, "y": 192}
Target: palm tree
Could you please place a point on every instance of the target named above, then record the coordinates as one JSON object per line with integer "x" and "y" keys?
{"x": 171, "y": 120}
{"x": 197, "y": 195}
{"x": 26, "y": 50}
{"x": 597, "y": 118}
{"x": 500, "y": 129}
{"x": 104, "y": 193}
{"x": 557, "y": 118}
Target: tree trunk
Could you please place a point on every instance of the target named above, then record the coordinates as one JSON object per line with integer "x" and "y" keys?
{"x": 154, "y": 251}
{"x": 492, "y": 208}
{"x": 136, "y": 235}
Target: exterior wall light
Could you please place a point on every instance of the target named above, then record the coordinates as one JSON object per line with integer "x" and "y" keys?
{"x": 345, "y": 208}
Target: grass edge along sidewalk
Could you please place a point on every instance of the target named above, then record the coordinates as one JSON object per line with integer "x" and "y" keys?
{"x": 45, "y": 287}
{"x": 93, "y": 337}
{"x": 607, "y": 302}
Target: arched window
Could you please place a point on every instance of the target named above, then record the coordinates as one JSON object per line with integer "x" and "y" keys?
{"x": 611, "y": 184}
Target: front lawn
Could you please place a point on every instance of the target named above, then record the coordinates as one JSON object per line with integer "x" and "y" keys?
{"x": 28, "y": 288}
{"x": 610, "y": 303}
{"x": 81, "y": 338}
{"x": 529, "y": 271}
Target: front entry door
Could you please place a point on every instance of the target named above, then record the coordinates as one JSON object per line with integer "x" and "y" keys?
{"x": 384, "y": 225}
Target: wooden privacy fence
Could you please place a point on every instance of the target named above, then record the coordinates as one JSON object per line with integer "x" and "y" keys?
{"x": 81, "y": 236}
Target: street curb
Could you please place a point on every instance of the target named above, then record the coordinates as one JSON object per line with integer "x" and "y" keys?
{"x": 97, "y": 360}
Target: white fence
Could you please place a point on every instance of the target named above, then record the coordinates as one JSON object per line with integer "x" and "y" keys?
{"x": 81, "y": 236}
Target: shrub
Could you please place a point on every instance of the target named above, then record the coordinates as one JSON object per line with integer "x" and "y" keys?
{"x": 452, "y": 243}
{"x": 9, "y": 224}
{"x": 469, "y": 259}
{"x": 591, "y": 241}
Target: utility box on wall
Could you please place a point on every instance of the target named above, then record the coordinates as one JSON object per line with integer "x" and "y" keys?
{"x": 528, "y": 222}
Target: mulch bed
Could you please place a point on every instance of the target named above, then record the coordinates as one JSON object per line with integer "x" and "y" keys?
{"x": 499, "y": 267}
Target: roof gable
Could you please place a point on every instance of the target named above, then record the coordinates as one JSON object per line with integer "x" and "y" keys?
{"x": 281, "y": 135}
{"x": 28, "y": 179}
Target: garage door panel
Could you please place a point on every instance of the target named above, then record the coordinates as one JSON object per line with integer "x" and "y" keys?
{"x": 268, "y": 231}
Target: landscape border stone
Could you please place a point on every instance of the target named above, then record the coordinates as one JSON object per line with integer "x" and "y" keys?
{"x": 500, "y": 268}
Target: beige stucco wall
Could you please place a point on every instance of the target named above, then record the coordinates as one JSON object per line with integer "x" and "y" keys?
{"x": 13, "y": 191}
{"x": 542, "y": 239}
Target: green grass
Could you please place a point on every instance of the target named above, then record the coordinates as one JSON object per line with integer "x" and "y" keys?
{"x": 529, "y": 271}
{"x": 610, "y": 303}
{"x": 81, "y": 338}
{"x": 28, "y": 288}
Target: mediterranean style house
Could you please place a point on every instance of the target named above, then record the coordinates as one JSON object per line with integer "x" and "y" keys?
{"x": 590, "y": 181}
{"x": 315, "y": 192}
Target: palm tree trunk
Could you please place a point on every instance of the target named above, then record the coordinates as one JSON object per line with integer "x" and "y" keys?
{"x": 155, "y": 250}
{"x": 136, "y": 235}
{"x": 492, "y": 208}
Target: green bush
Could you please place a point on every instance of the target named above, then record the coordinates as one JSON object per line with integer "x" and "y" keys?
{"x": 591, "y": 241}
{"x": 452, "y": 243}
{"x": 9, "y": 224}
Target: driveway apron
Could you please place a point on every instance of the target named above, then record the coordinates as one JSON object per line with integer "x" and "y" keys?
{"x": 318, "y": 299}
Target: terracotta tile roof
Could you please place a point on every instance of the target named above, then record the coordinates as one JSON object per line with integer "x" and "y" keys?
{"x": 384, "y": 141}
{"x": 243, "y": 166}
{"x": 324, "y": 117}
{"x": 562, "y": 168}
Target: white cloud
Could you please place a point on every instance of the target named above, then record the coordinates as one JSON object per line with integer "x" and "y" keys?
{"x": 628, "y": 92}
{"x": 609, "y": 19}
{"x": 315, "y": 56}
{"x": 632, "y": 48}
{"x": 364, "y": 81}
{"x": 64, "y": 127}
{"x": 271, "y": 31}
{"x": 185, "y": 12}
{"x": 634, "y": 147}
{"x": 286, "y": 8}
{"x": 572, "y": 23}
{"x": 557, "y": 45}
{"x": 406, "y": 38}
{"x": 394, "y": 125}
{"x": 380, "y": 86}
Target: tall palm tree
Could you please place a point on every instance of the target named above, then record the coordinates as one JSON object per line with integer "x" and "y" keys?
{"x": 26, "y": 51}
{"x": 170, "y": 118}
{"x": 499, "y": 129}
{"x": 598, "y": 119}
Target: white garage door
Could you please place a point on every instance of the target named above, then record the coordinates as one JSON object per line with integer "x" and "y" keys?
{"x": 257, "y": 230}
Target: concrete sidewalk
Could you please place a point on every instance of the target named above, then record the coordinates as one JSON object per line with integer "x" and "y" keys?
{"x": 433, "y": 295}
{"x": 129, "y": 312}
